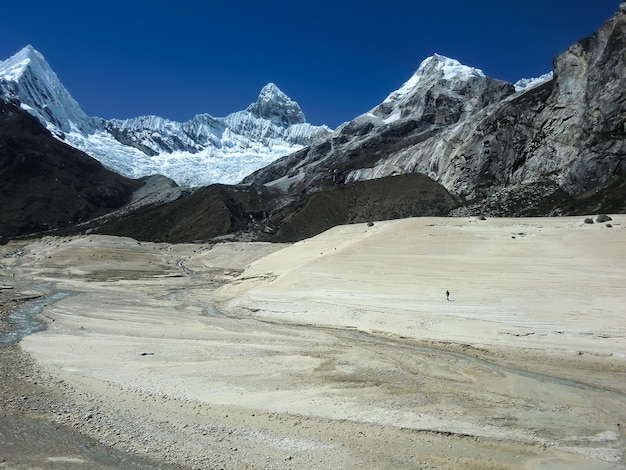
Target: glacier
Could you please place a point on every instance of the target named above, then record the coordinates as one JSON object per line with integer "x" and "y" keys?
{"x": 199, "y": 152}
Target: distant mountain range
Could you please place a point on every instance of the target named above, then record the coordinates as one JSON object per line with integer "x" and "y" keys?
{"x": 450, "y": 142}
{"x": 199, "y": 152}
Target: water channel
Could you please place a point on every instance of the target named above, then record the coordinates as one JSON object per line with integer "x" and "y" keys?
{"x": 24, "y": 320}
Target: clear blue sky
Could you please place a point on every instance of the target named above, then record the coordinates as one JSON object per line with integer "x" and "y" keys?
{"x": 337, "y": 59}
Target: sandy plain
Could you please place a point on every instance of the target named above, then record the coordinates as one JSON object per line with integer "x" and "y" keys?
{"x": 340, "y": 351}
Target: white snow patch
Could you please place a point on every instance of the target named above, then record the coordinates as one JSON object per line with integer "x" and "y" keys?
{"x": 228, "y": 165}
{"x": 527, "y": 83}
{"x": 393, "y": 118}
{"x": 454, "y": 70}
{"x": 11, "y": 72}
{"x": 408, "y": 86}
{"x": 435, "y": 66}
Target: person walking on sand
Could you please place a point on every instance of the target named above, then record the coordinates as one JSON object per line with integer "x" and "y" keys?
{"x": 448, "y": 295}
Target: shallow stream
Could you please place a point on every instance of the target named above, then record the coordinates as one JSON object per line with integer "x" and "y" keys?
{"x": 23, "y": 320}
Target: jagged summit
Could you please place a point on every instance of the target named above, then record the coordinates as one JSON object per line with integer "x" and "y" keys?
{"x": 14, "y": 66}
{"x": 276, "y": 106}
{"x": 441, "y": 90}
{"x": 27, "y": 78}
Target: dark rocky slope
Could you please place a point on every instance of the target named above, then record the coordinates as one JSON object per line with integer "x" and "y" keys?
{"x": 258, "y": 213}
{"x": 45, "y": 184}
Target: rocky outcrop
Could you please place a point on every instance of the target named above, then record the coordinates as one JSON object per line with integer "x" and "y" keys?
{"x": 259, "y": 213}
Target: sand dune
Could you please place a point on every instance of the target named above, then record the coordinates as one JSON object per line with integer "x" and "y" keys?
{"x": 341, "y": 351}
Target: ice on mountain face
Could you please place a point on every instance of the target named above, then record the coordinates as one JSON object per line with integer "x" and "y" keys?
{"x": 228, "y": 165}
{"x": 28, "y": 78}
{"x": 405, "y": 89}
{"x": 12, "y": 68}
{"x": 439, "y": 66}
{"x": 393, "y": 117}
{"x": 453, "y": 70}
{"x": 528, "y": 83}
{"x": 208, "y": 150}
{"x": 275, "y": 106}
{"x": 11, "y": 71}
{"x": 198, "y": 152}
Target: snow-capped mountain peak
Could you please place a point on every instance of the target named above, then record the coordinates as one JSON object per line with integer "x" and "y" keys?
{"x": 26, "y": 77}
{"x": 14, "y": 67}
{"x": 438, "y": 83}
{"x": 198, "y": 152}
{"x": 276, "y": 106}
{"x": 435, "y": 68}
{"x": 450, "y": 69}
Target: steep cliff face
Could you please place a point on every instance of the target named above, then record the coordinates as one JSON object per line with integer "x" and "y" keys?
{"x": 567, "y": 134}
{"x": 482, "y": 140}
{"x": 588, "y": 107}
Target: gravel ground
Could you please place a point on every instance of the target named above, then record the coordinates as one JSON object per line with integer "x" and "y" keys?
{"x": 39, "y": 423}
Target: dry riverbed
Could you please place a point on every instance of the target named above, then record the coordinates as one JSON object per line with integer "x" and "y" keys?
{"x": 339, "y": 351}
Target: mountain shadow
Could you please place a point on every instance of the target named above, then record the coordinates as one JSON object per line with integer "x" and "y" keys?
{"x": 46, "y": 184}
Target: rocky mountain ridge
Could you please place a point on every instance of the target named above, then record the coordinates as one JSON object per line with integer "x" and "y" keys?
{"x": 198, "y": 152}
{"x": 479, "y": 137}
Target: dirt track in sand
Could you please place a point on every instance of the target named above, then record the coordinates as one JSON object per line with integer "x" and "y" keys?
{"x": 341, "y": 351}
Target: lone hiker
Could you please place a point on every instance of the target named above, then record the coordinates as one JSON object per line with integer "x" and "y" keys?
{"x": 448, "y": 295}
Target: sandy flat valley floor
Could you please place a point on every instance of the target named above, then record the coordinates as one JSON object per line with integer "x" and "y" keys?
{"x": 336, "y": 352}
